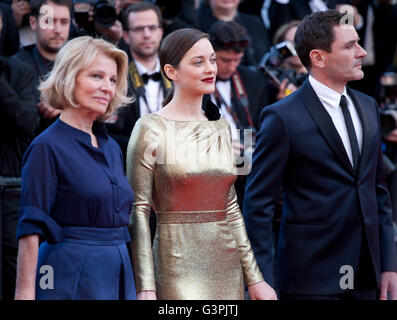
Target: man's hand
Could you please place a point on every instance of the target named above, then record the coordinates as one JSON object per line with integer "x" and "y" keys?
{"x": 47, "y": 111}
{"x": 388, "y": 283}
{"x": 19, "y": 9}
{"x": 113, "y": 34}
{"x": 285, "y": 89}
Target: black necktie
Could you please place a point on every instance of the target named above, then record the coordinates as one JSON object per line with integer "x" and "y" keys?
{"x": 154, "y": 76}
{"x": 350, "y": 131}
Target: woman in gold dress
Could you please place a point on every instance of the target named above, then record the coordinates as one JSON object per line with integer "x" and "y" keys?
{"x": 180, "y": 162}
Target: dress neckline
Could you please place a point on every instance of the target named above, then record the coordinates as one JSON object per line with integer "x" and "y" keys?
{"x": 193, "y": 121}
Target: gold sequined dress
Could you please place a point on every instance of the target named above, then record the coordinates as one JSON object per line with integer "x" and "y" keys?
{"x": 185, "y": 171}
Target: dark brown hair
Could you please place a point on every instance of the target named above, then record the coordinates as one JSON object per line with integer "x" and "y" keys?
{"x": 316, "y": 32}
{"x": 174, "y": 47}
{"x": 35, "y": 5}
{"x": 228, "y": 35}
{"x": 139, "y": 7}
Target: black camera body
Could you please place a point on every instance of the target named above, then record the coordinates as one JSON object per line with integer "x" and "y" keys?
{"x": 169, "y": 9}
{"x": 388, "y": 113}
{"x": 388, "y": 119}
{"x": 104, "y": 14}
{"x": 271, "y": 64}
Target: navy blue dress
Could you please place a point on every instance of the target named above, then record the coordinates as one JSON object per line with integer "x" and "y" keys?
{"x": 78, "y": 199}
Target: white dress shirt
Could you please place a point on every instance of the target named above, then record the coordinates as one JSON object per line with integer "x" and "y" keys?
{"x": 153, "y": 91}
{"x": 330, "y": 100}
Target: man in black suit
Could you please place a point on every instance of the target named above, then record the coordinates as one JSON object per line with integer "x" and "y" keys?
{"x": 240, "y": 92}
{"x": 322, "y": 144}
{"x": 143, "y": 31}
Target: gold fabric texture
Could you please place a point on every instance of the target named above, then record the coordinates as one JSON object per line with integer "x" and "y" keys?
{"x": 185, "y": 171}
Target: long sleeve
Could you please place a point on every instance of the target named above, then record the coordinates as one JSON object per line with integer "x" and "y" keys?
{"x": 140, "y": 169}
{"x": 39, "y": 191}
{"x": 236, "y": 223}
{"x": 263, "y": 187}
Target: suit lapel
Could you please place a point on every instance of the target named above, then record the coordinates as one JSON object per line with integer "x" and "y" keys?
{"x": 325, "y": 125}
{"x": 367, "y": 134}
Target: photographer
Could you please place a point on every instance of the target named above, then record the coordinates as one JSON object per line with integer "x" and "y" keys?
{"x": 282, "y": 65}
{"x": 19, "y": 120}
{"x": 97, "y": 18}
{"x": 177, "y": 14}
{"x": 49, "y": 40}
{"x": 9, "y": 39}
{"x": 388, "y": 120}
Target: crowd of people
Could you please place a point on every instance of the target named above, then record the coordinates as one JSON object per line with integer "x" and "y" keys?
{"x": 86, "y": 88}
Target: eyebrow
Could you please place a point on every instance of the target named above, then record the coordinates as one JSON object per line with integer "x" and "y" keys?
{"x": 352, "y": 41}
{"x": 100, "y": 71}
{"x": 202, "y": 57}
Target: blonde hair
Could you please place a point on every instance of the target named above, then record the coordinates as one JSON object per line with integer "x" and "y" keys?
{"x": 77, "y": 54}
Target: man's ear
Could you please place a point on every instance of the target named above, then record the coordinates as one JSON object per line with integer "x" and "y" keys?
{"x": 318, "y": 58}
{"x": 170, "y": 72}
{"x": 33, "y": 23}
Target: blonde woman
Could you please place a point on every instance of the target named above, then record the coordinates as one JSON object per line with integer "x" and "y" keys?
{"x": 75, "y": 197}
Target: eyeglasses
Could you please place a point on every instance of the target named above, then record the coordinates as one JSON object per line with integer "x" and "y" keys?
{"x": 232, "y": 44}
{"x": 140, "y": 29}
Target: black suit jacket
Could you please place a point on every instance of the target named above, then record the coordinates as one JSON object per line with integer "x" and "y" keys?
{"x": 329, "y": 209}
{"x": 19, "y": 117}
{"x": 255, "y": 29}
{"x": 9, "y": 37}
{"x": 280, "y": 14}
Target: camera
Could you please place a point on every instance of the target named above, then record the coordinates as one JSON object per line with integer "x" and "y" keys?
{"x": 169, "y": 9}
{"x": 272, "y": 64}
{"x": 388, "y": 113}
{"x": 104, "y": 14}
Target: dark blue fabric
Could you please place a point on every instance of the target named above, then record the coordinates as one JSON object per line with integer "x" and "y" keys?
{"x": 98, "y": 266}
{"x": 329, "y": 209}
{"x": 66, "y": 182}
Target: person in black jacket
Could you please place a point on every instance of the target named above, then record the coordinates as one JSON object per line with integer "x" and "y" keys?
{"x": 19, "y": 120}
{"x": 9, "y": 38}
{"x": 211, "y": 11}
{"x": 50, "y": 40}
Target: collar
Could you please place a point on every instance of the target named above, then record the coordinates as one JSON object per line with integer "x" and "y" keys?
{"x": 98, "y": 128}
{"x": 325, "y": 93}
{"x": 142, "y": 69}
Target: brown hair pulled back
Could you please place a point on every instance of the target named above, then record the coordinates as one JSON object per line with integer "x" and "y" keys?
{"x": 174, "y": 47}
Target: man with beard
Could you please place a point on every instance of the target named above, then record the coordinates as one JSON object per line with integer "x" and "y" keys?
{"x": 143, "y": 31}
{"x": 51, "y": 22}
